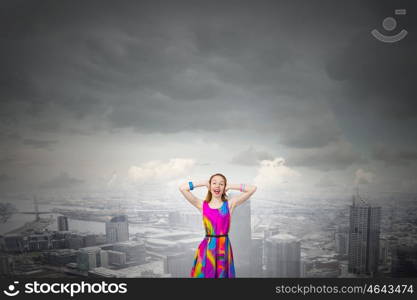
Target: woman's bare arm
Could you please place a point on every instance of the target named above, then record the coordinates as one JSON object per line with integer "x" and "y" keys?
{"x": 185, "y": 190}
{"x": 245, "y": 195}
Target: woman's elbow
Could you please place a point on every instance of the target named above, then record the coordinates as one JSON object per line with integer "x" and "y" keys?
{"x": 182, "y": 187}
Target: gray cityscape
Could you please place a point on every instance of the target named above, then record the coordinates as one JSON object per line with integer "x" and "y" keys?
{"x": 106, "y": 107}
{"x": 84, "y": 238}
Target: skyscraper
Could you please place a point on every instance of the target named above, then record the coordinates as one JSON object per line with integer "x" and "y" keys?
{"x": 342, "y": 240}
{"x": 364, "y": 231}
{"x": 117, "y": 229}
{"x": 283, "y": 256}
{"x": 62, "y": 223}
{"x": 256, "y": 256}
{"x": 404, "y": 261}
{"x": 240, "y": 237}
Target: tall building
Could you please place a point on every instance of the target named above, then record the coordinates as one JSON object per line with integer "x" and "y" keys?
{"x": 303, "y": 272}
{"x": 6, "y": 265}
{"x": 383, "y": 251}
{"x": 104, "y": 258}
{"x": 117, "y": 229}
{"x": 404, "y": 261}
{"x": 75, "y": 241}
{"x": 364, "y": 231}
{"x": 283, "y": 256}
{"x": 116, "y": 258}
{"x": 86, "y": 259}
{"x": 39, "y": 241}
{"x": 15, "y": 243}
{"x": 267, "y": 231}
{"x": 256, "y": 255}
{"x": 62, "y": 223}
{"x": 91, "y": 257}
{"x": 240, "y": 238}
{"x": 89, "y": 240}
{"x": 179, "y": 264}
{"x": 342, "y": 240}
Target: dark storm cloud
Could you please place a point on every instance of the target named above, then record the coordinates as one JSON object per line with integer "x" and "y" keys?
{"x": 9, "y": 136}
{"x": 378, "y": 79}
{"x": 70, "y": 54}
{"x": 5, "y": 160}
{"x": 39, "y": 144}
{"x": 389, "y": 156}
{"x": 167, "y": 67}
{"x": 4, "y": 178}
{"x": 324, "y": 162}
{"x": 379, "y": 76}
{"x": 17, "y": 161}
{"x": 251, "y": 157}
{"x": 335, "y": 156}
{"x": 62, "y": 181}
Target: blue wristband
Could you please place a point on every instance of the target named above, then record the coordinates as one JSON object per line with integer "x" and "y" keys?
{"x": 191, "y": 185}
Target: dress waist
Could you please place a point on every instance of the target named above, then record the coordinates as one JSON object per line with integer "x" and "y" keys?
{"x": 218, "y": 235}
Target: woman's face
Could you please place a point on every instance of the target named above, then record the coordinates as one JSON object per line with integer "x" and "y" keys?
{"x": 217, "y": 186}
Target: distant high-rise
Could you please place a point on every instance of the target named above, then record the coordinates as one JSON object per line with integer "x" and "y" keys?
{"x": 240, "y": 238}
{"x": 283, "y": 256}
{"x": 383, "y": 251}
{"x": 364, "y": 231}
{"x": 87, "y": 258}
{"x": 117, "y": 229}
{"x": 256, "y": 257}
{"x": 303, "y": 268}
{"x": 6, "y": 265}
{"x": 179, "y": 264}
{"x": 342, "y": 240}
{"x": 104, "y": 258}
{"x": 404, "y": 261}
{"x": 62, "y": 223}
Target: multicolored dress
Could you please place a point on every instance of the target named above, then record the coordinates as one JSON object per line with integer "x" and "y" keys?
{"x": 214, "y": 256}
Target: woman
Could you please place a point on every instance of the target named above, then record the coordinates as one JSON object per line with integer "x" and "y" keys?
{"x": 214, "y": 256}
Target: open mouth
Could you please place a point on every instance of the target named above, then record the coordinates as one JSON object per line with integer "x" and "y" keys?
{"x": 217, "y": 192}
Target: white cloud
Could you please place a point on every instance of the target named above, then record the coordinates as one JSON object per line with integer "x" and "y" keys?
{"x": 157, "y": 169}
{"x": 272, "y": 173}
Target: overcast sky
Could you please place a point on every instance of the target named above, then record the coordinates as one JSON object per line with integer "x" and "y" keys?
{"x": 288, "y": 95}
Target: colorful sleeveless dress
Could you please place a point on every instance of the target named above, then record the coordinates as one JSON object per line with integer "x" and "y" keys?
{"x": 214, "y": 256}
